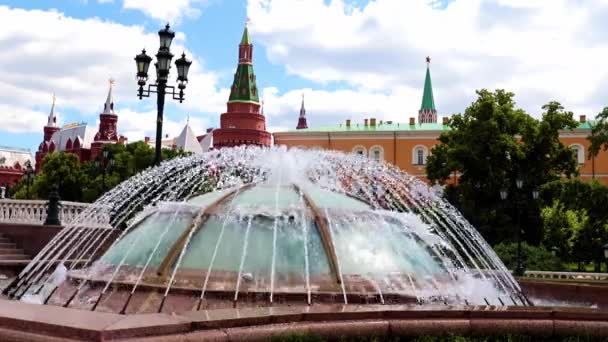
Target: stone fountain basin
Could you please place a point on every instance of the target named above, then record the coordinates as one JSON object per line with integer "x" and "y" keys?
{"x": 21, "y": 321}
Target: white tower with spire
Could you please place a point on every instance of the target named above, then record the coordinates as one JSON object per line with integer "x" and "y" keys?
{"x": 52, "y": 119}
{"x": 108, "y": 107}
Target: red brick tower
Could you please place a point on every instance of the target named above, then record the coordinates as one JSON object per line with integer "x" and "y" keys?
{"x": 47, "y": 145}
{"x": 243, "y": 124}
{"x": 107, "y": 126}
{"x": 302, "y": 119}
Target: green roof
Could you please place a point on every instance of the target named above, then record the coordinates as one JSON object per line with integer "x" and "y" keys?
{"x": 245, "y": 40}
{"x": 384, "y": 127}
{"x": 243, "y": 87}
{"x": 428, "y": 102}
{"x": 392, "y": 127}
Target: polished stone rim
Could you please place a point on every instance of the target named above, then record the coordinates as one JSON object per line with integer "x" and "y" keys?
{"x": 328, "y": 321}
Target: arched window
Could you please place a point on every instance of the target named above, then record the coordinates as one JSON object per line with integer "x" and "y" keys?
{"x": 580, "y": 152}
{"x": 376, "y": 153}
{"x": 419, "y": 154}
{"x": 360, "y": 150}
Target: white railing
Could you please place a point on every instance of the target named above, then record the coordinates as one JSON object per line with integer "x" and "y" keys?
{"x": 580, "y": 276}
{"x": 34, "y": 212}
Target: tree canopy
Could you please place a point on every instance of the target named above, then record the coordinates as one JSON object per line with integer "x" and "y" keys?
{"x": 83, "y": 182}
{"x": 599, "y": 133}
{"x": 491, "y": 145}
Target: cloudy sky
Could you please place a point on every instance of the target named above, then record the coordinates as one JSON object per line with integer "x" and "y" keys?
{"x": 351, "y": 58}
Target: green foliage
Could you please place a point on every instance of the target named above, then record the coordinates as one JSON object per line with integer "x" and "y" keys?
{"x": 599, "y": 134}
{"x": 581, "y": 208}
{"x": 564, "y": 229}
{"x": 83, "y": 182}
{"x": 534, "y": 258}
{"x": 490, "y": 145}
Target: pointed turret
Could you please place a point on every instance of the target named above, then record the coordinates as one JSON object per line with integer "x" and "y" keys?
{"x": 187, "y": 141}
{"x": 108, "y": 107}
{"x": 49, "y": 130}
{"x": 108, "y": 121}
{"x": 243, "y": 123}
{"x": 302, "y": 119}
{"x": 52, "y": 120}
{"x": 244, "y": 88}
{"x": 427, "y": 113}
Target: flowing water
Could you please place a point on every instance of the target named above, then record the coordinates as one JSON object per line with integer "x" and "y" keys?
{"x": 268, "y": 225}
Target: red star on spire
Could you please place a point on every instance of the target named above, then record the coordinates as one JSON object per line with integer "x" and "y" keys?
{"x": 428, "y": 59}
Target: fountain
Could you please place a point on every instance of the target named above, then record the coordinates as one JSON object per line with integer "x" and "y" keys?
{"x": 255, "y": 227}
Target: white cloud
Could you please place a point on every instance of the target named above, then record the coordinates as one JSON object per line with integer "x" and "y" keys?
{"x": 540, "y": 50}
{"x": 19, "y": 119}
{"x": 46, "y": 52}
{"x": 171, "y": 11}
{"x": 137, "y": 125}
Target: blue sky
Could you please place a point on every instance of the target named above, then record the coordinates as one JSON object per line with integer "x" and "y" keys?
{"x": 352, "y": 59}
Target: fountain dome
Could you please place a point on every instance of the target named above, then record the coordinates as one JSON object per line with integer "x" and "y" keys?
{"x": 258, "y": 227}
{"x": 233, "y": 241}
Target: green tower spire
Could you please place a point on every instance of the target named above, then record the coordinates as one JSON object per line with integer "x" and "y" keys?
{"x": 427, "y": 112}
{"x": 428, "y": 101}
{"x": 245, "y": 39}
{"x": 244, "y": 88}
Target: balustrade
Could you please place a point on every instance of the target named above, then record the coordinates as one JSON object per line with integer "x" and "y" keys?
{"x": 579, "y": 276}
{"x": 34, "y": 212}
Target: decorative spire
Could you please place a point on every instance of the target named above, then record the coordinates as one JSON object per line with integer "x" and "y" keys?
{"x": 302, "y": 109}
{"x": 52, "y": 120}
{"x": 302, "y": 119}
{"x": 245, "y": 39}
{"x": 108, "y": 107}
{"x": 188, "y": 120}
{"x": 428, "y": 112}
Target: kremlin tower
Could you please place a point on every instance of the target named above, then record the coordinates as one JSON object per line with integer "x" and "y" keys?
{"x": 84, "y": 141}
{"x": 427, "y": 113}
{"x": 243, "y": 123}
{"x": 302, "y": 119}
{"x": 107, "y": 126}
{"x": 49, "y": 130}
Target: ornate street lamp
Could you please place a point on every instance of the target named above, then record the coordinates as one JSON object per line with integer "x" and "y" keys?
{"x": 29, "y": 177}
{"x": 535, "y": 194}
{"x": 163, "y": 65}
{"x": 503, "y": 194}
{"x": 519, "y": 269}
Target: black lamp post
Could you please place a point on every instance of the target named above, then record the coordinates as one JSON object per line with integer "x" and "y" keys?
{"x": 29, "y": 177}
{"x": 519, "y": 269}
{"x": 106, "y": 163}
{"x": 605, "y": 247}
{"x": 162, "y": 65}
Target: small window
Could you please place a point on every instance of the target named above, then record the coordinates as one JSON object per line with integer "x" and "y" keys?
{"x": 376, "y": 153}
{"x": 420, "y": 157}
{"x": 579, "y": 151}
{"x": 419, "y": 154}
{"x": 359, "y": 150}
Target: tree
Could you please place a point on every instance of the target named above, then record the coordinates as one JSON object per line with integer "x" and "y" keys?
{"x": 82, "y": 182}
{"x": 588, "y": 231}
{"x": 599, "y": 134}
{"x": 62, "y": 169}
{"x": 492, "y": 144}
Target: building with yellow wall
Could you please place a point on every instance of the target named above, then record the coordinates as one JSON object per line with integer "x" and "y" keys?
{"x": 407, "y": 145}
